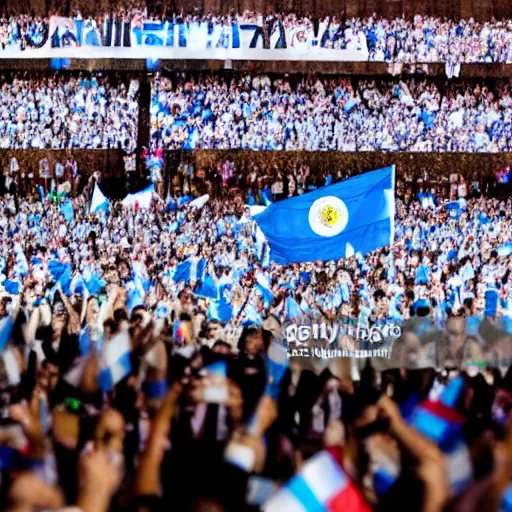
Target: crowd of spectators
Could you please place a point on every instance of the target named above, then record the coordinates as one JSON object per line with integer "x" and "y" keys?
{"x": 23, "y": 31}
{"x": 109, "y": 399}
{"x": 421, "y": 39}
{"x": 260, "y": 113}
{"x": 86, "y": 111}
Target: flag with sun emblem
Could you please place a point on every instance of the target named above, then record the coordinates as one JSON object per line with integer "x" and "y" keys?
{"x": 336, "y": 221}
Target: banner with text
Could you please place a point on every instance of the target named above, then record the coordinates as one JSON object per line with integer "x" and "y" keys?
{"x": 67, "y": 38}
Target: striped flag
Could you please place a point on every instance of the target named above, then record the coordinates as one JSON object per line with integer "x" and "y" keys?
{"x": 438, "y": 419}
{"x": 442, "y": 423}
{"x": 321, "y": 486}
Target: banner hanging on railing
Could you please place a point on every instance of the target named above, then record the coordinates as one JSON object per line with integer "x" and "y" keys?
{"x": 142, "y": 39}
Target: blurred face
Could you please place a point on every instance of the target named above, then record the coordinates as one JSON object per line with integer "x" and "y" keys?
{"x": 456, "y": 330}
{"x": 222, "y": 349}
{"x": 254, "y": 344}
{"x": 58, "y": 324}
{"x": 48, "y": 377}
{"x": 185, "y": 301}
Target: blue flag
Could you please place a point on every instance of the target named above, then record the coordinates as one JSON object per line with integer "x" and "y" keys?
{"x": 11, "y": 287}
{"x": 67, "y": 210}
{"x": 190, "y": 270}
{"x": 95, "y": 284}
{"x": 355, "y": 215}
{"x": 99, "y": 200}
{"x": 266, "y": 196}
{"x": 61, "y": 273}
{"x": 208, "y": 288}
{"x": 220, "y": 310}
{"x": 454, "y": 209}
{"x": 292, "y": 309}
{"x": 264, "y": 287}
{"x": 6, "y": 328}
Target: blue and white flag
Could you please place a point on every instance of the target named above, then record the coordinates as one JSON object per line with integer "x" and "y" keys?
{"x": 135, "y": 293}
{"x": 467, "y": 272}
{"x": 8, "y": 356}
{"x": 190, "y": 270}
{"x": 266, "y": 196}
{"x": 264, "y": 287}
{"x": 220, "y": 310}
{"x": 209, "y": 288}
{"x": 250, "y": 316}
{"x": 94, "y": 284}
{"x": 454, "y": 209}
{"x": 68, "y": 211}
{"x": 21, "y": 264}
{"x": 143, "y": 198}
{"x": 277, "y": 363}
{"x": 99, "y": 200}
{"x": 357, "y": 213}
{"x": 6, "y": 328}
{"x": 62, "y": 274}
{"x": 77, "y": 285}
{"x": 86, "y": 343}
{"x": 505, "y": 250}
{"x": 292, "y": 310}
{"x": 116, "y": 363}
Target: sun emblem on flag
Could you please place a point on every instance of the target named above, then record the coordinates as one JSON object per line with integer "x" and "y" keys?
{"x": 328, "y": 216}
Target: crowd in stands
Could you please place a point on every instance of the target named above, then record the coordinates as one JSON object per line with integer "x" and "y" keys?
{"x": 23, "y": 31}
{"x": 260, "y": 113}
{"x": 142, "y": 361}
{"x": 420, "y": 39}
{"x": 255, "y": 112}
{"x": 86, "y": 111}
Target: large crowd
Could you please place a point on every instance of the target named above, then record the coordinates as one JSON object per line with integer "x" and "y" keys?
{"x": 86, "y": 111}
{"x": 422, "y": 39}
{"x": 92, "y": 111}
{"x": 142, "y": 360}
{"x": 260, "y": 113}
{"x": 145, "y": 362}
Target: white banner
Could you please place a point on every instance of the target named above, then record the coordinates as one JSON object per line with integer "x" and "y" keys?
{"x": 69, "y": 38}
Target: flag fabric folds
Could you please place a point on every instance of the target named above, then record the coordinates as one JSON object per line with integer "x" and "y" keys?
{"x": 143, "y": 198}
{"x": 94, "y": 284}
{"x": 321, "y": 486}
{"x": 220, "y": 310}
{"x": 355, "y": 215}
{"x": 277, "y": 359}
{"x": 6, "y": 328}
{"x": 190, "y": 270}
{"x": 10, "y": 362}
{"x": 68, "y": 211}
{"x": 208, "y": 288}
{"x": 264, "y": 287}
{"x": 99, "y": 200}
{"x": 116, "y": 362}
{"x": 440, "y": 421}
{"x": 62, "y": 274}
